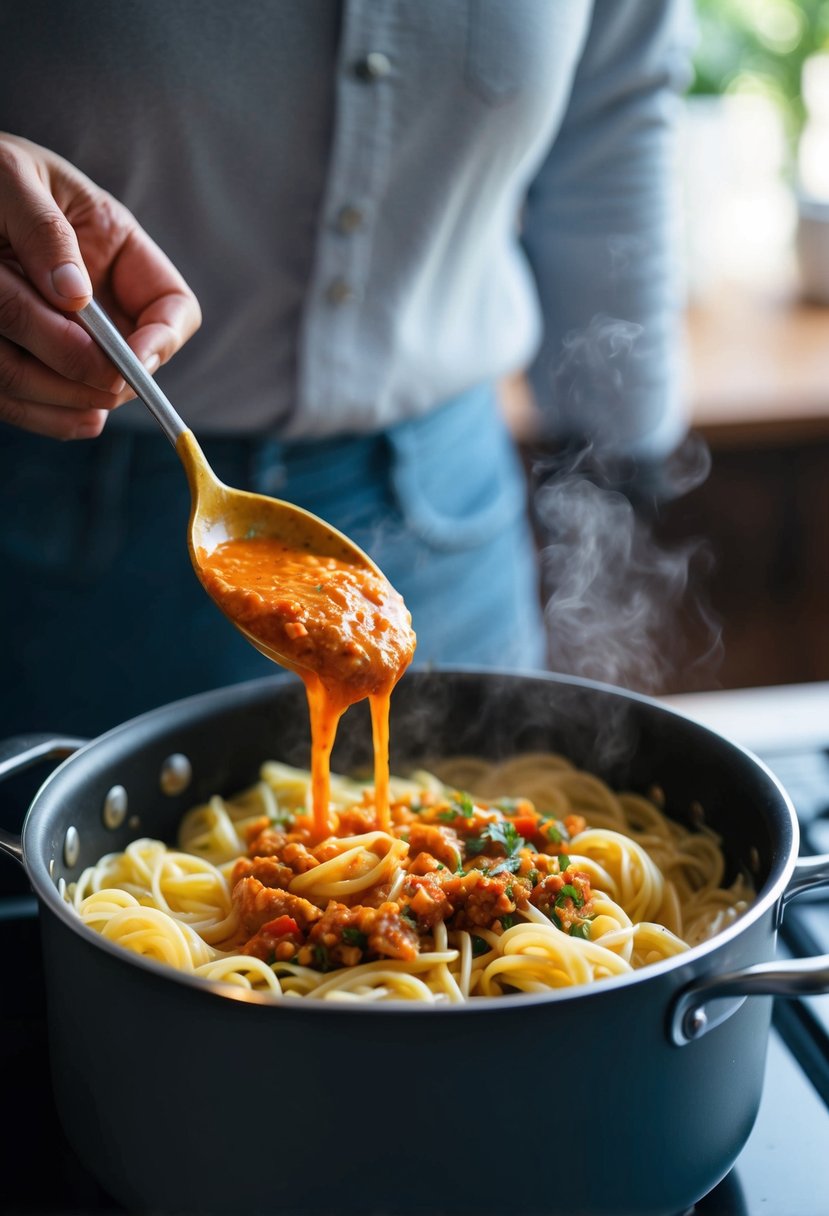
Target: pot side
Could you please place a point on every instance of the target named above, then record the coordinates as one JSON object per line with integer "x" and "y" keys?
{"x": 182, "y": 1100}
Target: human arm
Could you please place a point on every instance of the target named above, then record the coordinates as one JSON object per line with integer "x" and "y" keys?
{"x": 61, "y": 236}
{"x": 601, "y": 233}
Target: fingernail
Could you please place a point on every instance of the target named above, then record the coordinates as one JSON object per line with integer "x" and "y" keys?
{"x": 88, "y": 430}
{"x": 71, "y": 282}
{"x": 152, "y": 362}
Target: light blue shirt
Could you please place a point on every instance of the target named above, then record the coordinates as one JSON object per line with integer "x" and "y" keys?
{"x": 382, "y": 203}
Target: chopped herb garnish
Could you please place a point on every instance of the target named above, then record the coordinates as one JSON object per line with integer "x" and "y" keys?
{"x": 581, "y": 929}
{"x": 553, "y": 830}
{"x": 504, "y": 833}
{"x": 568, "y": 891}
{"x": 460, "y": 807}
{"x": 533, "y": 876}
{"x": 281, "y": 816}
{"x": 507, "y": 921}
{"x": 508, "y": 866}
{"x": 321, "y": 957}
{"x": 408, "y": 914}
{"x": 440, "y": 866}
{"x": 563, "y": 862}
{"x": 479, "y": 946}
{"x": 354, "y": 937}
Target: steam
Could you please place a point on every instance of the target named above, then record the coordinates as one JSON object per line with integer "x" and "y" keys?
{"x": 590, "y": 379}
{"x": 621, "y": 605}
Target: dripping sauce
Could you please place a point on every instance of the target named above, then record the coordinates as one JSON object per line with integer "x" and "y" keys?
{"x": 341, "y": 627}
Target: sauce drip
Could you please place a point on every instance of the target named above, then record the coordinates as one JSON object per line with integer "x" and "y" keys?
{"x": 343, "y": 629}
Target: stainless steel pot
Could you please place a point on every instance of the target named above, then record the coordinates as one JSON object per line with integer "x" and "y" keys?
{"x": 635, "y": 1095}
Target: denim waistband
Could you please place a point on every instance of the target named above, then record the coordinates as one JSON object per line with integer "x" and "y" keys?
{"x": 271, "y": 459}
{"x": 452, "y": 473}
{"x": 448, "y": 479}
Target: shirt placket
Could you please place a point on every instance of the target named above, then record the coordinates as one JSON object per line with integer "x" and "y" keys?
{"x": 332, "y": 362}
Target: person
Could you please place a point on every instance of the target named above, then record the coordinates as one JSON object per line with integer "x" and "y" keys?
{"x": 334, "y": 228}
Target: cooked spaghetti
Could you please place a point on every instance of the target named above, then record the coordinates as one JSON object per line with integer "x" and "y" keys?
{"x": 524, "y": 876}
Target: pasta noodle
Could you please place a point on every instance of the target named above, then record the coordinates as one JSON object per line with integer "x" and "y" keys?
{"x": 495, "y": 878}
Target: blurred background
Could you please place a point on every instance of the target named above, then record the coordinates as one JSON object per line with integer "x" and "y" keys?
{"x": 755, "y": 174}
{"x": 734, "y": 589}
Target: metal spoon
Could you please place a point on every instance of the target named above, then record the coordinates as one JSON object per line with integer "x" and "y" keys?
{"x": 218, "y": 512}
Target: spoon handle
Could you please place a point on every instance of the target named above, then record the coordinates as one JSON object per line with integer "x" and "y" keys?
{"x": 98, "y": 325}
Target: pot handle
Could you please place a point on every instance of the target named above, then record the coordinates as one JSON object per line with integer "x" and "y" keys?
{"x": 21, "y": 752}
{"x": 690, "y": 1019}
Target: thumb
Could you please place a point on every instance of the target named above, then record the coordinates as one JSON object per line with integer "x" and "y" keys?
{"x": 42, "y": 239}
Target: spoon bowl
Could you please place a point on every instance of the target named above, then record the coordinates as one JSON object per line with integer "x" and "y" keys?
{"x": 220, "y": 513}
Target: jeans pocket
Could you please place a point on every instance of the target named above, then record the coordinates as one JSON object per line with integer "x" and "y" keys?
{"x": 455, "y": 473}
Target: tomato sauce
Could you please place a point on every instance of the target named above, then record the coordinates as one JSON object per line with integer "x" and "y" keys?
{"x": 342, "y": 627}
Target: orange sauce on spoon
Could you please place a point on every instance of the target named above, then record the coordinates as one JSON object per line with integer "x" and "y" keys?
{"x": 343, "y": 629}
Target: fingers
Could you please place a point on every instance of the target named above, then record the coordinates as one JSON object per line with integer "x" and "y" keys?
{"x": 37, "y": 399}
{"x": 59, "y": 233}
{"x": 43, "y": 240}
{"x": 55, "y": 421}
{"x": 149, "y": 289}
{"x": 25, "y": 378}
{"x": 56, "y": 341}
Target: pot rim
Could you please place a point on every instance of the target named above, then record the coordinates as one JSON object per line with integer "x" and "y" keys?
{"x": 770, "y": 895}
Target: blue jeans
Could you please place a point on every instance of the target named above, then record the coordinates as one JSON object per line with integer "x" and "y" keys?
{"x": 102, "y": 616}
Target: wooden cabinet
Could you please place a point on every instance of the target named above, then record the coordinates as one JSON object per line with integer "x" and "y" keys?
{"x": 759, "y": 389}
{"x": 763, "y": 513}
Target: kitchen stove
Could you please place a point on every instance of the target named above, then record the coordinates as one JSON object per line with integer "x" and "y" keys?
{"x": 784, "y": 1167}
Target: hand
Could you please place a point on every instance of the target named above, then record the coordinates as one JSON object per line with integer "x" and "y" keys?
{"x": 61, "y": 236}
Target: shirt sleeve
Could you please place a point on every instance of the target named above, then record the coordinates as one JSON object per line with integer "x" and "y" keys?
{"x": 600, "y": 229}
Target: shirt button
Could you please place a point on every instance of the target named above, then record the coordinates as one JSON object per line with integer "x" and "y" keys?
{"x": 349, "y": 219}
{"x": 339, "y": 291}
{"x": 373, "y": 66}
